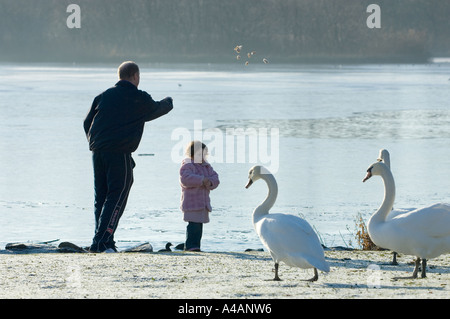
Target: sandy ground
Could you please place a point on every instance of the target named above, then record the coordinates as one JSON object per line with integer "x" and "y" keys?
{"x": 209, "y": 275}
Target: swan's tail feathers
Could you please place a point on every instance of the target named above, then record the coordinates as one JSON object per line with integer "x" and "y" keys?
{"x": 324, "y": 267}
{"x": 306, "y": 261}
{"x": 320, "y": 264}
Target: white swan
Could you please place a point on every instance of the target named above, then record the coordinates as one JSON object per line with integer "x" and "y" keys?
{"x": 287, "y": 237}
{"x": 423, "y": 232}
{"x": 385, "y": 157}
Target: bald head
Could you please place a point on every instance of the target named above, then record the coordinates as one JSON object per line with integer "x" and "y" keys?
{"x": 129, "y": 71}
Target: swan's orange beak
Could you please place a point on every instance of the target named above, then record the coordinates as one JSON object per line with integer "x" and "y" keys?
{"x": 369, "y": 175}
{"x": 250, "y": 182}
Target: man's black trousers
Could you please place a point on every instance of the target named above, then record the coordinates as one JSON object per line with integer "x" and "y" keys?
{"x": 113, "y": 177}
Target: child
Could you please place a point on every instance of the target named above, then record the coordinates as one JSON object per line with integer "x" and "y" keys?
{"x": 197, "y": 178}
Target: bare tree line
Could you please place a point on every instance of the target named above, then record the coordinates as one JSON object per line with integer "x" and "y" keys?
{"x": 208, "y": 30}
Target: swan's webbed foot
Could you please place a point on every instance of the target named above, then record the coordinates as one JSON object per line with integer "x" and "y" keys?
{"x": 276, "y": 278}
{"x": 315, "y": 278}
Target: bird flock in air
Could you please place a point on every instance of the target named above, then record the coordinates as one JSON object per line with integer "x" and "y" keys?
{"x": 250, "y": 54}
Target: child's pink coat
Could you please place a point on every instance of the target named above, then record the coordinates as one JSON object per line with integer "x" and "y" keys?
{"x": 194, "y": 195}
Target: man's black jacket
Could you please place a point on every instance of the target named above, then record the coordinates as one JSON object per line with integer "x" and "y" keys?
{"x": 115, "y": 122}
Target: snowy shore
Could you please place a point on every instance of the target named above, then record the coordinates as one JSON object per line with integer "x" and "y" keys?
{"x": 211, "y": 275}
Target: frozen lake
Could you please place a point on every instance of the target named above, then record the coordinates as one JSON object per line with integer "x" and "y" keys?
{"x": 331, "y": 120}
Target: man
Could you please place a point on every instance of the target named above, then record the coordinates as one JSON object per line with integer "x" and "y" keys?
{"x": 114, "y": 127}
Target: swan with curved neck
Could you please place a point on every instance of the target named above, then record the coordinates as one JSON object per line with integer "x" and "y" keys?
{"x": 288, "y": 238}
{"x": 385, "y": 157}
{"x": 424, "y": 232}
{"x": 259, "y": 172}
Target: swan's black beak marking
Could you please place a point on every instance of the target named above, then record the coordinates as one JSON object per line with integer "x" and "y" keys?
{"x": 369, "y": 174}
{"x": 250, "y": 182}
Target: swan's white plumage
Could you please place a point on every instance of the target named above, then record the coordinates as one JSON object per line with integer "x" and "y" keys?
{"x": 291, "y": 240}
{"x": 423, "y": 232}
{"x": 288, "y": 238}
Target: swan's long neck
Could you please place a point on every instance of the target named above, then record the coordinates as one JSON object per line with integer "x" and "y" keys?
{"x": 389, "y": 196}
{"x": 268, "y": 203}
